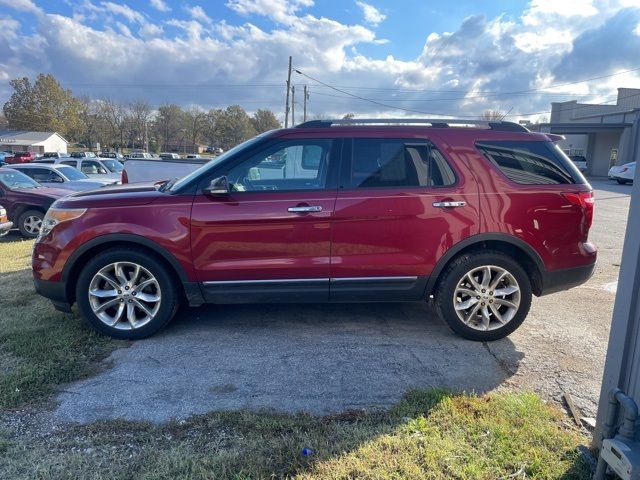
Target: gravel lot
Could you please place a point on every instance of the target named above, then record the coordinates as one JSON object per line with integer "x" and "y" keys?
{"x": 321, "y": 359}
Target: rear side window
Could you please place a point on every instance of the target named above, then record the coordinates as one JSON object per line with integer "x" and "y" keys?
{"x": 380, "y": 163}
{"x": 532, "y": 163}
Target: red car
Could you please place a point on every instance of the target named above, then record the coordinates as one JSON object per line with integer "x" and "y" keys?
{"x": 476, "y": 218}
{"x": 20, "y": 157}
{"x": 25, "y": 200}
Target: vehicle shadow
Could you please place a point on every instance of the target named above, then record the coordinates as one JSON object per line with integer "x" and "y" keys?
{"x": 312, "y": 358}
{"x": 609, "y": 188}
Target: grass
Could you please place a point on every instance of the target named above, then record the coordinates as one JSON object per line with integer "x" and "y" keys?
{"x": 40, "y": 348}
{"x": 430, "y": 434}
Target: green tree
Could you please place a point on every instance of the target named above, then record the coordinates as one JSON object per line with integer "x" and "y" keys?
{"x": 233, "y": 126}
{"x": 264, "y": 120}
{"x": 169, "y": 126}
{"x": 43, "y": 106}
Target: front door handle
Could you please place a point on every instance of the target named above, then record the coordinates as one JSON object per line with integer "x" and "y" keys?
{"x": 305, "y": 209}
{"x": 449, "y": 204}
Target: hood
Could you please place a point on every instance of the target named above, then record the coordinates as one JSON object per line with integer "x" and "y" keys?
{"x": 48, "y": 192}
{"x": 113, "y": 196}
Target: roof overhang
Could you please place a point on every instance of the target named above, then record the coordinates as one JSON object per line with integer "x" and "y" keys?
{"x": 576, "y": 128}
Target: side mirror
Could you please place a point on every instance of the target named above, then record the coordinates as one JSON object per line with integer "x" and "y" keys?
{"x": 218, "y": 187}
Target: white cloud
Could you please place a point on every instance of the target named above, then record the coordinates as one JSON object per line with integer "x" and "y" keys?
{"x": 282, "y": 11}
{"x": 150, "y": 30}
{"x": 23, "y": 5}
{"x": 198, "y": 14}
{"x": 124, "y": 10}
{"x": 371, "y": 14}
{"x": 160, "y": 5}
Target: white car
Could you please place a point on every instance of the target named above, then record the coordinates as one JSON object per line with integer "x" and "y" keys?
{"x": 623, "y": 173}
{"x": 95, "y": 168}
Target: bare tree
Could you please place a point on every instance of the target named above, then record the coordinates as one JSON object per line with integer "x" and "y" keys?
{"x": 492, "y": 115}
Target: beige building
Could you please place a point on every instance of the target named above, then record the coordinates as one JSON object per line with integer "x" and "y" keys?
{"x": 36, "y": 142}
{"x": 606, "y": 134}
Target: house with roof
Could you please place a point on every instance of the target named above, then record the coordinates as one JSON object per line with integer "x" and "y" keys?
{"x": 36, "y": 142}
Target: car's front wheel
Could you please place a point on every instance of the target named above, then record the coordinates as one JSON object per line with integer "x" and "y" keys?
{"x": 30, "y": 222}
{"x": 126, "y": 294}
{"x": 484, "y": 296}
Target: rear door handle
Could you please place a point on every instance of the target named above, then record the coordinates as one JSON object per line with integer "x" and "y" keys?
{"x": 449, "y": 204}
{"x": 305, "y": 209}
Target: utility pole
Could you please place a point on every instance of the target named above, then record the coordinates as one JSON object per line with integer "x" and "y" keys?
{"x": 286, "y": 108}
{"x": 293, "y": 105}
{"x": 306, "y": 97}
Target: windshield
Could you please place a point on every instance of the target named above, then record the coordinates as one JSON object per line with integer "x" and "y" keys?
{"x": 15, "y": 180}
{"x": 177, "y": 184}
{"x": 113, "y": 166}
{"x": 72, "y": 173}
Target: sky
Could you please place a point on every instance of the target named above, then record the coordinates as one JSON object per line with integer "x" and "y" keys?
{"x": 368, "y": 57}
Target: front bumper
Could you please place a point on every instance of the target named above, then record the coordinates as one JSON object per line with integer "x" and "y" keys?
{"x": 5, "y": 226}
{"x": 559, "y": 280}
{"x": 54, "y": 291}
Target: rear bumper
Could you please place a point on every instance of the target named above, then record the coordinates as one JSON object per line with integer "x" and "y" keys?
{"x": 4, "y": 226}
{"x": 54, "y": 291}
{"x": 559, "y": 280}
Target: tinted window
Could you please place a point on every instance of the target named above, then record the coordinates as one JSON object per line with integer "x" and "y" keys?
{"x": 294, "y": 165}
{"x": 72, "y": 163}
{"x": 398, "y": 163}
{"x": 113, "y": 166}
{"x": 42, "y": 175}
{"x": 15, "y": 180}
{"x": 532, "y": 163}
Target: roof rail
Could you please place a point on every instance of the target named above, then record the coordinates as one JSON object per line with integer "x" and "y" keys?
{"x": 433, "y": 122}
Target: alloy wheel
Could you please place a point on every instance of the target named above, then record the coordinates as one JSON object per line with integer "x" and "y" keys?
{"x": 124, "y": 295}
{"x": 487, "y": 298}
{"x": 32, "y": 224}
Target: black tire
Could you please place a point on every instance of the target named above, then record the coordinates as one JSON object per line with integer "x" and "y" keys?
{"x": 27, "y": 230}
{"x": 622, "y": 182}
{"x": 169, "y": 297}
{"x": 454, "y": 273}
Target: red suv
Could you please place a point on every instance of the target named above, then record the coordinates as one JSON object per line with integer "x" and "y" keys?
{"x": 20, "y": 157}
{"x": 477, "y": 217}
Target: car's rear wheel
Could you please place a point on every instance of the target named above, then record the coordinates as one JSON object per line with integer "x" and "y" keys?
{"x": 126, "y": 294}
{"x": 30, "y": 222}
{"x": 622, "y": 182}
{"x": 484, "y": 296}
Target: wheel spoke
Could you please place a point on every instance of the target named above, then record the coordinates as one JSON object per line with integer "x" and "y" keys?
{"x": 134, "y": 277}
{"x": 472, "y": 314}
{"x": 143, "y": 285}
{"x": 496, "y": 314}
{"x": 105, "y": 305}
{"x": 142, "y": 307}
{"x": 467, "y": 303}
{"x": 109, "y": 280}
{"x": 120, "y": 274}
{"x": 486, "y": 319}
{"x": 103, "y": 293}
{"x": 506, "y": 303}
{"x": 497, "y": 280}
{"x": 117, "y": 316}
{"x": 486, "y": 277}
{"x": 473, "y": 282}
{"x": 148, "y": 297}
{"x": 508, "y": 290}
{"x": 466, "y": 291}
{"x": 131, "y": 315}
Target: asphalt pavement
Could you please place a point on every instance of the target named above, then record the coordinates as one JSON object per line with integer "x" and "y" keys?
{"x": 328, "y": 358}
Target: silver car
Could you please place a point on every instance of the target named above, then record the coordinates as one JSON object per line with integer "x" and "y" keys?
{"x": 60, "y": 176}
{"x": 623, "y": 173}
{"x": 96, "y": 168}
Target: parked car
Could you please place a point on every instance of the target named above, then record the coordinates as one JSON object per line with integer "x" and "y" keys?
{"x": 579, "y": 161}
{"x": 114, "y": 155}
{"x": 5, "y": 224}
{"x": 157, "y": 169}
{"x": 141, "y": 155}
{"x": 61, "y": 176}
{"x": 25, "y": 200}
{"x": 193, "y": 156}
{"x": 95, "y": 168}
{"x": 19, "y": 157}
{"x": 623, "y": 173}
{"x": 54, "y": 155}
{"x": 169, "y": 156}
{"x": 4, "y": 155}
{"x": 478, "y": 218}
{"x": 83, "y": 155}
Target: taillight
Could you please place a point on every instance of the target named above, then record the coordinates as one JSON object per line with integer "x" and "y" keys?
{"x": 586, "y": 201}
{"x": 125, "y": 177}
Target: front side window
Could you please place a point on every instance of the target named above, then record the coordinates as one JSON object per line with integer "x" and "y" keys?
{"x": 71, "y": 173}
{"x": 43, "y": 175}
{"x": 292, "y": 165}
{"x": 531, "y": 163}
{"x": 113, "y": 166}
{"x": 380, "y": 163}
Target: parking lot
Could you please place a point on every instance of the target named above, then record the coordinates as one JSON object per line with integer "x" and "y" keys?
{"x": 321, "y": 359}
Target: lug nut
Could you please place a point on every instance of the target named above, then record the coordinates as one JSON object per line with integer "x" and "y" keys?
{"x": 482, "y": 304}
{"x": 119, "y": 292}
{"x": 490, "y": 301}
{"x": 134, "y": 294}
{"x": 121, "y": 300}
{"x": 478, "y": 297}
{"x": 490, "y": 293}
{"x": 483, "y": 290}
{"x": 126, "y": 288}
{"x": 130, "y": 301}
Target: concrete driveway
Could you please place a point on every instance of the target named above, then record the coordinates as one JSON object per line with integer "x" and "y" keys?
{"x": 328, "y": 358}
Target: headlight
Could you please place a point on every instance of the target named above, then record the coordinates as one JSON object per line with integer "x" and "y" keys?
{"x": 55, "y": 216}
